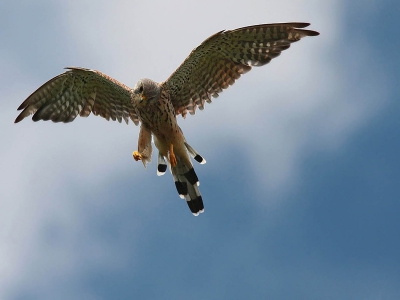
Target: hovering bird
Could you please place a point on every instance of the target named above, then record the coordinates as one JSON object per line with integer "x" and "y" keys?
{"x": 211, "y": 67}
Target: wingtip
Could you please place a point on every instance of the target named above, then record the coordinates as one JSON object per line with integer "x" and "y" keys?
{"x": 21, "y": 107}
{"x": 20, "y": 117}
{"x": 77, "y": 68}
{"x": 301, "y": 24}
{"x": 312, "y": 33}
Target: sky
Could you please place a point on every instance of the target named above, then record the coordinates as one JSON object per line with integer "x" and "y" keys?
{"x": 301, "y": 185}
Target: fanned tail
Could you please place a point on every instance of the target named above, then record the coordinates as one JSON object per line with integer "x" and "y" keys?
{"x": 161, "y": 165}
{"x": 187, "y": 185}
{"x": 193, "y": 153}
{"x": 185, "y": 178}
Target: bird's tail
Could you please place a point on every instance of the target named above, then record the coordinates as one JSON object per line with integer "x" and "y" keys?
{"x": 186, "y": 181}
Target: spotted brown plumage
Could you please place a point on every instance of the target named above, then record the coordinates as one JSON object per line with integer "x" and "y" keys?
{"x": 224, "y": 57}
{"x": 209, "y": 69}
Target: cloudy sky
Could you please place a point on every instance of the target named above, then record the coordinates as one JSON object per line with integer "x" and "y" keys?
{"x": 301, "y": 185}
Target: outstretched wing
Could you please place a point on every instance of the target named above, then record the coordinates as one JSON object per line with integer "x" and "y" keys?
{"x": 223, "y": 57}
{"x": 79, "y": 91}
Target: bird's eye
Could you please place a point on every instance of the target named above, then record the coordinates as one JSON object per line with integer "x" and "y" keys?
{"x": 141, "y": 89}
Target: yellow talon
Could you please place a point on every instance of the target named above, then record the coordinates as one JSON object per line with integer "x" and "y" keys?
{"x": 136, "y": 155}
{"x": 172, "y": 158}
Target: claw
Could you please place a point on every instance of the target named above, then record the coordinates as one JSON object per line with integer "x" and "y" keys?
{"x": 172, "y": 158}
{"x": 136, "y": 155}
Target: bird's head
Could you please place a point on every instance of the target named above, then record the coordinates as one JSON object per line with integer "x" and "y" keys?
{"x": 146, "y": 92}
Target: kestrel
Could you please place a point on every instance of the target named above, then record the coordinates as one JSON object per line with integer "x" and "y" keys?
{"x": 211, "y": 67}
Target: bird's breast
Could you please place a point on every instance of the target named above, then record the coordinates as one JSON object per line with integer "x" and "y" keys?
{"x": 160, "y": 118}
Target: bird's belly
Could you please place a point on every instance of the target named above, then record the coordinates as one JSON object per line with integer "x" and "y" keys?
{"x": 168, "y": 133}
{"x": 163, "y": 126}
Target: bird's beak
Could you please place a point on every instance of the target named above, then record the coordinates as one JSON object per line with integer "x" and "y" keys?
{"x": 142, "y": 98}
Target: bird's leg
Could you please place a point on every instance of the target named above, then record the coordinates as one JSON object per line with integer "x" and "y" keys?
{"x": 136, "y": 155}
{"x": 144, "y": 146}
{"x": 172, "y": 158}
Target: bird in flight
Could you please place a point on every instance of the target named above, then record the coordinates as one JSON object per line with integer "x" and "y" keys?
{"x": 207, "y": 71}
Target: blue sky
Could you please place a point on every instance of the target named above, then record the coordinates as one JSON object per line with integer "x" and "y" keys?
{"x": 301, "y": 185}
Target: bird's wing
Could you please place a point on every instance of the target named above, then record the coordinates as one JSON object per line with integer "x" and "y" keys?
{"x": 223, "y": 57}
{"x": 79, "y": 91}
